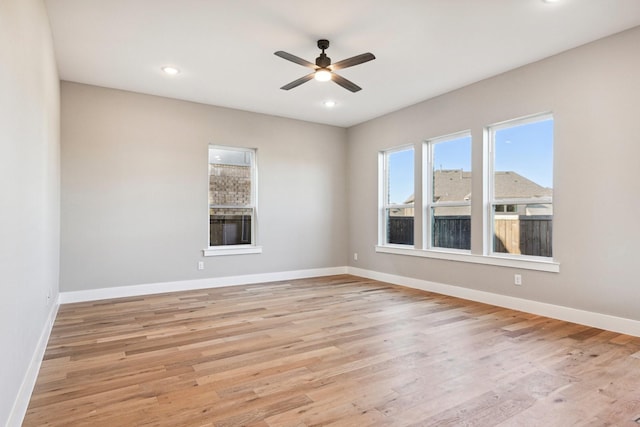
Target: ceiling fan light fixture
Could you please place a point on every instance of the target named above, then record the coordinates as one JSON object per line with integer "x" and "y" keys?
{"x": 322, "y": 75}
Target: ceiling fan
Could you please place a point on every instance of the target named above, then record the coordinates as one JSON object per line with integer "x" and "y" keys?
{"x": 324, "y": 70}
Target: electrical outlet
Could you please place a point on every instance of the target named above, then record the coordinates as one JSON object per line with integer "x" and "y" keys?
{"x": 48, "y": 296}
{"x": 355, "y": 256}
{"x": 200, "y": 265}
{"x": 517, "y": 279}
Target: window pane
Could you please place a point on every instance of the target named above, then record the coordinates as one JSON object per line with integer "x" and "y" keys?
{"x": 400, "y": 177}
{"x": 399, "y": 191}
{"x": 230, "y": 177}
{"x": 399, "y": 226}
{"x": 451, "y": 227}
{"x": 523, "y": 169}
{"x": 526, "y": 231}
{"x": 230, "y": 226}
{"x": 523, "y": 163}
{"x": 452, "y": 170}
{"x": 231, "y": 196}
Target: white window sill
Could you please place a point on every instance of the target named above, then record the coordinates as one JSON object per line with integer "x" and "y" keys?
{"x": 231, "y": 250}
{"x": 526, "y": 263}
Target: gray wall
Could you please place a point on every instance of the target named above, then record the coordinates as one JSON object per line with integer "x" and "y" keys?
{"x": 29, "y": 189}
{"x": 594, "y": 94}
{"x": 135, "y": 190}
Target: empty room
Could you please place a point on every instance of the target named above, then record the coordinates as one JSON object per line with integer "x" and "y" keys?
{"x": 286, "y": 213}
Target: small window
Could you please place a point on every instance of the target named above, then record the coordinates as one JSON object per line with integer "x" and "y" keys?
{"x": 397, "y": 213}
{"x": 521, "y": 187}
{"x": 232, "y": 196}
{"x": 504, "y": 208}
{"x": 448, "y": 192}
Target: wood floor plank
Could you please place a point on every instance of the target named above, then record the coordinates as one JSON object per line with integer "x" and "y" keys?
{"x": 334, "y": 351}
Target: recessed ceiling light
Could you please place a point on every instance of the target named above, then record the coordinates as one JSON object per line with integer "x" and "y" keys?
{"x": 550, "y": 1}
{"x": 329, "y": 103}
{"x": 172, "y": 71}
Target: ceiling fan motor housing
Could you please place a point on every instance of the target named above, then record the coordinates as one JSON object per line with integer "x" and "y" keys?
{"x": 323, "y": 61}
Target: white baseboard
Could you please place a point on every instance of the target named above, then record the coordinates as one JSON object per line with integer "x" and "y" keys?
{"x": 582, "y": 317}
{"x": 187, "y": 285}
{"x": 19, "y": 410}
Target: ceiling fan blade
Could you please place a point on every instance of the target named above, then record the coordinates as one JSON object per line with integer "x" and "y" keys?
{"x": 298, "y": 82}
{"x": 350, "y": 62}
{"x": 296, "y": 59}
{"x": 349, "y": 85}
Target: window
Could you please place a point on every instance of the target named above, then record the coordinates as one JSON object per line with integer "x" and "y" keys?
{"x": 397, "y": 207}
{"x": 504, "y": 208}
{"x": 516, "y": 173}
{"x": 521, "y": 187}
{"x": 232, "y": 197}
{"x": 448, "y": 192}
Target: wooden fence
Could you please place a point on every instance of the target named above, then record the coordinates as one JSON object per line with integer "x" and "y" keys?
{"x": 400, "y": 230}
{"x": 453, "y": 232}
{"x": 524, "y": 235}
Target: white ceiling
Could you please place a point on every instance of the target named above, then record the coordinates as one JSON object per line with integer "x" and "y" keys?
{"x": 224, "y": 48}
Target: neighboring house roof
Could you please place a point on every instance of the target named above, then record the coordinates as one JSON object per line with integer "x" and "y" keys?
{"x": 515, "y": 186}
{"x": 455, "y": 185}
{"x": 452, "y": 185}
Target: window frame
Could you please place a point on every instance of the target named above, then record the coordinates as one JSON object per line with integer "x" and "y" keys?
{"x": 250, "y": 248}
{"x": 490, "y": 200}
{"x": 383, "y": 193}
{"x": 428, "y": 172}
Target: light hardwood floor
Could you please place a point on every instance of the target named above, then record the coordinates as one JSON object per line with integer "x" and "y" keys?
{"x": 338, "y": 350}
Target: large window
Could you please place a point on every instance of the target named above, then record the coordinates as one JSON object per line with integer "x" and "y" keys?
{"x": 521, "y": 187}
{"x": 397, "y": 207}
{"x": 232, "y": 196}
{"x": 448, "y": 192}
{"x": 513, "y": 225}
